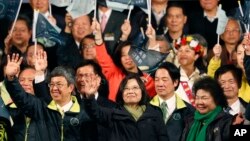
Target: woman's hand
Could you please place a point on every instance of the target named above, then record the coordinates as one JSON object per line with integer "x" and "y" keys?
{"x": 96, "y": 27}
{"x": 126, "y": 30}
{"x": 217, "y": 51}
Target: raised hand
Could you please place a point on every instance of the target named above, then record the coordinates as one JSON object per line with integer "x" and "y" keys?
{"x": 126, "y": 30}
{"x": 41, "y": 62}
{"x": 96, "y": 28}
{"x": 92, "y": 84}
{"x": 8, "y": 44}
{"x": 69, "y": 21}
{"x": 246, "y": 43}
{"x": 217, "y": 51}
{"x": 13, "y": 66}
{"x": 150, "y": 32}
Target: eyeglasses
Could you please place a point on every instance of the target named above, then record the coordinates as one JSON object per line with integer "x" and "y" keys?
{"x": 85, "y": 75}
{"x": 135, "y": 88}
{"x": 85, "y": 46}
{"x": 231, "y": 31}
{"x": 57, "y": 85}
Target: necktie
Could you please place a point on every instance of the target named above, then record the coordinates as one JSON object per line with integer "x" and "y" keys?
{"x": 103, "y": 22}
{"x": 164, "y": 110}
{"x": 227, "y": 110}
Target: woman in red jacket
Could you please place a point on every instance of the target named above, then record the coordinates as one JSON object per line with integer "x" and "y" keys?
{"x": 122, "y": 64}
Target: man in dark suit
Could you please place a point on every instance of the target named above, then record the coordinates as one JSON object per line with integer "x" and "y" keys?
{"x": 88, "y": 70}
{"x": 74, "y": 32}
{"x": 112, "y": 28}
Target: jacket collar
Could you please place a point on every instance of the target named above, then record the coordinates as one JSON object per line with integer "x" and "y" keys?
{"x": 179, "y": 102}
{"x": 75, "y": 107}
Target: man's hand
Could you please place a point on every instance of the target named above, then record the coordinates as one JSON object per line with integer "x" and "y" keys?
{"x": 13, "y": 66}
{"x": 92, "y": 84}
{"x": 238, "y": 119}
{"x": 8, "y": 44}
{"x": 41, "y": 62}
{"x": 69, "y": 23}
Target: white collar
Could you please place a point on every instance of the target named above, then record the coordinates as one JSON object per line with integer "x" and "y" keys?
{"x": 66, "y": 107}
{"x": 235, "y": 107}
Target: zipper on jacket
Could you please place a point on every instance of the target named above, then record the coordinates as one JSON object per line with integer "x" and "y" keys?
{"x": 62, "y": 126}
{"x": 27, "y": 120}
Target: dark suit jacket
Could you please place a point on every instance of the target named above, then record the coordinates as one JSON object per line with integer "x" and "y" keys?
{"x": 113, "y": 28}
{"x": 69, "y": 54}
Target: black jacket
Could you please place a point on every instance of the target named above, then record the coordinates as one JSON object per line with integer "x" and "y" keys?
{"x": 122, "y": 125}
{"x": 247, "y": 67}
{"x": 218, "y": 130}
{"x": 51, "y": 124}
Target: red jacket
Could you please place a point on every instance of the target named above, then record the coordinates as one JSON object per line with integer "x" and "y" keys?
{"x": 115, "y": 75}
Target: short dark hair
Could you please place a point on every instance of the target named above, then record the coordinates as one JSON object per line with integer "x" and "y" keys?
{"x": 119, "y": 96}
{"x": 173, "y": 71}
{"x": 24, "y": 18}
{"x": 236, "y": 72}
{"x": 104, "y": 87}
{"x": 178, "y": 5}
{"x": 212, "y": 86}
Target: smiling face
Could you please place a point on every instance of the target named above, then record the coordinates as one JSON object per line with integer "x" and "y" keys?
{"x": 88, "y": 49}
{"x": 229, "y": 85}
{"x": 132, "y": 93}
{"x": 26, "y": 78}
{"x": 186, "y": 56}
{"x": 204, "y": 102}
{"x": 83, "y": 74}
{"x": 126, "y": 60}
{"x": 60, "y": 91}
{"x": 21, "y": 34}
{"x": 81, "y": 27}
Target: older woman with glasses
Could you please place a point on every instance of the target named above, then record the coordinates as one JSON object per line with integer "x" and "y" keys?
{"x": 134, "y": 119}
{"x": 209, "y": 122}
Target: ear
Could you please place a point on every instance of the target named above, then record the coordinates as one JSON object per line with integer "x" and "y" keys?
{"x": 71, "y": 87}
{"x": 176, "y": 83}
{"x": 185, "y": 19}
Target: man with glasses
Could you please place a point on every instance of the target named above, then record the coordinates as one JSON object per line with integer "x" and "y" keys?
{"x": 63, "y": 118}
{"x": 85, "y": 72}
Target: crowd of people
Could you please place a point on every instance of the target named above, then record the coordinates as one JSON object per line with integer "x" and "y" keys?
{"x": 91, "y": 89}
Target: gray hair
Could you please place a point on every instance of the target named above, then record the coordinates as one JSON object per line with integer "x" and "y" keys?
{"x": 67, "y": 72}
